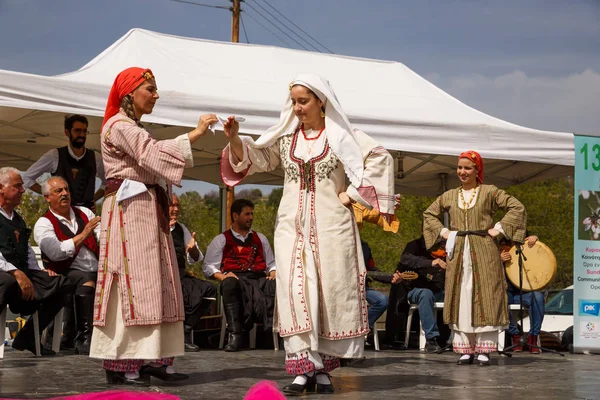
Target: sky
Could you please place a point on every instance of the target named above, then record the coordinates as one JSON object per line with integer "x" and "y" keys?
{"x": 535, "y": 63}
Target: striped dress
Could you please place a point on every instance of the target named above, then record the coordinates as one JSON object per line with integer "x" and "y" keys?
{"x": 138, "y": 311}
{"x": 488, "y": 305}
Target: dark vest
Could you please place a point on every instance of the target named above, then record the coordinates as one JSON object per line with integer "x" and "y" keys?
{"x": 14, "y": 241}
{"x": 64, "y": 233}
{"x": 179, "y": 244}
{"x": 243, "y": 256}
{"x": 79, "y": 174}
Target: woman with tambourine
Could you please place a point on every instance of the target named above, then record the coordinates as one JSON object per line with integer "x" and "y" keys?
{"x": 475, "y": 301}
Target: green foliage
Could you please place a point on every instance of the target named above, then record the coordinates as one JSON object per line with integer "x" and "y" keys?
{"x": 32, "y": 207}
{"x": 275, "y": 197}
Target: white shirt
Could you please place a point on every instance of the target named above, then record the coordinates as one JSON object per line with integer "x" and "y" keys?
{"x": 214, "y": 253}
{"x": 31, "y": 261}
{"x": 187, "y": 236}
{"x": 48, "y": 163}
{"x": 55, "y": 250}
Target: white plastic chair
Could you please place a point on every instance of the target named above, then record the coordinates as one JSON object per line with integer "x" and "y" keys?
{"x": 439, "y": 305}
{"x": 36, "y": 329}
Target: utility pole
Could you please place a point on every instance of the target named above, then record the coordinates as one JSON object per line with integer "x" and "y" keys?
{"x": 229, "y": 192}
{"x": 235, "y": 21}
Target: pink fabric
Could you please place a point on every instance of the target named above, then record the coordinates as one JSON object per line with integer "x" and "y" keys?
{"x": 120, "y": 395}
{"x": 149, "y": 282}
{"x": 264, "y": 390}
{"x": 370, "y": 195}
{"x": 229, "y": 176}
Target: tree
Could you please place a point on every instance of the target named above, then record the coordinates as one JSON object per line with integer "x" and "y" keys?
{"x": 32, "y": 207}
{"x": 253, "y": 195}
{"x": 275, "y": 197}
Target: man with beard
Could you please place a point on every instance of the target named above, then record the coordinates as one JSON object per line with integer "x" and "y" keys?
{"x": 79, "y": 168}
{"x": 68, "y": 238}
{"x": 23, "y": 285}
{"x": 197, "y": 293}
{"x": 74, "y": 163}
{"x": 242, "y": 260}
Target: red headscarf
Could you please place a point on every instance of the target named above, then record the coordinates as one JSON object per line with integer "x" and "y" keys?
{"x": 476, "y": 159}
{"x": 126, "y": 82}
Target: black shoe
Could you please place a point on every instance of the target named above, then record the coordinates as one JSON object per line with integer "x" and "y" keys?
{"x": 119, "y": 378}
{"x": 191, "y": 348}
{"x": 161, "y": 373}
{"x": 295, "y": 389}
{"x": 234, "y": 342}
{"x": 431, "y": 346}
{"x": 84, "y": 307}
{"x": 484, "y": 363}
{"x": 323, "y": 388}
{"x": 467, "y": 361}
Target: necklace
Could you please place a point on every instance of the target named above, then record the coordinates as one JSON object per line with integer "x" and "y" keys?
{"x": 462, "y": 198}
{"x": 466, "y": 205}
{"x": 310, "y": 142}
{"x": 314, "y": 138}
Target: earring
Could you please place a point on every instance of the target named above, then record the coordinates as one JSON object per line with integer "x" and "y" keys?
{"x": 322, "y": 114}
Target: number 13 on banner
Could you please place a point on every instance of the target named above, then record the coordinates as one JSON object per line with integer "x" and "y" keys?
{"x": 591, "y": 155}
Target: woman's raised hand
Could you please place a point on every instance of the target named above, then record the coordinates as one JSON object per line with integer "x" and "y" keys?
{"x": 203, "y": 127}
{"x": 231, "y": 128}
{"x": 205, "y": 122}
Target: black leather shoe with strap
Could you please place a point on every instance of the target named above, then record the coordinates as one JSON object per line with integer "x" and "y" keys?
{"x": 296, "y": 389}
{"x": 323, "y": 388}
{"x": 161, "y": 373}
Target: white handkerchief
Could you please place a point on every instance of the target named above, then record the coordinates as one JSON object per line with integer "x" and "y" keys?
{"x": 130, "y": 188}
{"x": 220, "y": 123}
{"x": 450, "y": 245}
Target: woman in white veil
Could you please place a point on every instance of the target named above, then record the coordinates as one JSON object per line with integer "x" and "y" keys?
{"x": 321, "y": 306}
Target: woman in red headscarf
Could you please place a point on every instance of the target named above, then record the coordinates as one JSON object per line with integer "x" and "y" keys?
{"x": 138, "y": 310}
{"x": 475, "y": 303}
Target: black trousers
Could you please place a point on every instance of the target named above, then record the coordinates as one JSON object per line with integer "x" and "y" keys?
{"x": 255, "y": 293}
{"x": 51, "y": 293}
{"x": 194, "y": 291}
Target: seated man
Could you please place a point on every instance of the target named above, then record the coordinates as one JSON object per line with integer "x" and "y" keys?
{"x": 68, "y": 238}
{"x": 423, "y": 291}
{"x": 23, "y": 285}
{"x": 533, "y": 300}
{"x": 242, "y": 260}
{"x": 196, "y": 292}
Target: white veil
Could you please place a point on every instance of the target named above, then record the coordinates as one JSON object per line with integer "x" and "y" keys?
{"x": 338, "y": 129}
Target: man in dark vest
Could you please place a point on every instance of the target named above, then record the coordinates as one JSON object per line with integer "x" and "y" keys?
{"x": 242, "y": 260}
{"x": 73, "y": 162}
{"x": 24, "y": 286}
{"x": 68, "y": 238}
{"x": 197, "y": 293}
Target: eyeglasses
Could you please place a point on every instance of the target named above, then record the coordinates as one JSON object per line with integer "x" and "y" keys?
{"x": 79, "y": 131}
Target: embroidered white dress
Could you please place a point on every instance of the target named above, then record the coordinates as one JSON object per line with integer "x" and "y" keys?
{"x": 321, "y": 305}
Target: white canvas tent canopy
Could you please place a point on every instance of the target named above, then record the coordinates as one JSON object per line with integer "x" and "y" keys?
{"x": 423, "y": 127}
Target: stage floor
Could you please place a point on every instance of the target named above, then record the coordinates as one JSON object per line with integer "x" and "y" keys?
{"x": 383, "y": 375}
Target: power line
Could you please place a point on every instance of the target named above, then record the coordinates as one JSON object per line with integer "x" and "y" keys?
{"x": 278, "y": 28}
{"x": 301, "y": 30}
{"x": 201, "y": 5}
{"x": 244, "y": 27}
{"x": 270, "y": 31}
{"x": 283, "y": 24}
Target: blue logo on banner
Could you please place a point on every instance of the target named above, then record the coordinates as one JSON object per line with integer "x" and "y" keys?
{"x": 589, "y": 308}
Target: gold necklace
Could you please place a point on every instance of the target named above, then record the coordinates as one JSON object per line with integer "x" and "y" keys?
{"x": 466, "y": 205}
{"x": 462, "y": 198}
